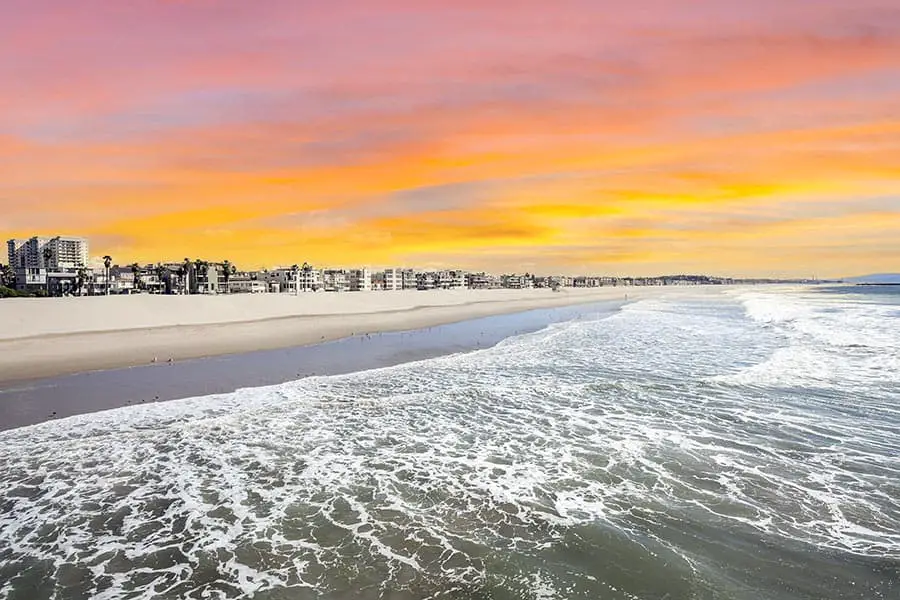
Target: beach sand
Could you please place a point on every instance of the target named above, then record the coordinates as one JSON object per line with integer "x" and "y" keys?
{"x": 45, "y": 337}
{"x": 30, "y": 402}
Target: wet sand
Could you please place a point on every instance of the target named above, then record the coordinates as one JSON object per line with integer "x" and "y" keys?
{"x": 58, "y": 336}
{"x": 30, "y": 402}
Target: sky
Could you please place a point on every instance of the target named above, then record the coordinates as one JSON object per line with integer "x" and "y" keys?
{"x": 632, "y": 137}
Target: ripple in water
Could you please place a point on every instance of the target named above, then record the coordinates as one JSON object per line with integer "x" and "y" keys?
{"x": 678, "y": 449}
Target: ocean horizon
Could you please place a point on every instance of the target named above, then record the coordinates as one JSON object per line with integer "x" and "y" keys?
{"x": 737, "y": 445}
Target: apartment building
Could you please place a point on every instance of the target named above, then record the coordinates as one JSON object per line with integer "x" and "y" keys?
{"x": 482, "y": 281}
{"x": 278, "y": 280}
{"x": 335, "y": 280}
{"x": 409, "y": 279}
{"x": 517, "y": 282}
{"x": 310, "y": 280}
{"x": 47, "y": 262}
{"x": 426, "y": 280}
{"x": 246, "y": 283}
{"x": 393, "y": 279}
{"x": 359, "y": 280}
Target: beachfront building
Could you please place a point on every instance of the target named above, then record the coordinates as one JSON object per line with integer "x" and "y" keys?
{"x": 292, "y": 279}
{"x": 335, "y": 280}
{"x": 393, "y": 279}
{"x": 482, "y": 281}
{"x": 209, "y": 278}
{"x": 409, "y": 279}
{"x": 278, "y": 280}
{"x": 517, "y": 282}
{"x": 441, "y": 280}
{"x": 121, "y": 280}
{"x": 147, "y": 280}
{"x": 426, "y": 280}
{"x": 246, "y": 283}
{"x": 359, "y": 280}
{"x": 51, "y": 263}
{"x": 309, "y": 279}
{"x": 453, "y": 279}
{"x": 558, "y": 281}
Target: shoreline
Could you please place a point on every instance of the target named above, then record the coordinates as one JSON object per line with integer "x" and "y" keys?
{"x": 70, "y": 343}
{"x": 43, "y": 400}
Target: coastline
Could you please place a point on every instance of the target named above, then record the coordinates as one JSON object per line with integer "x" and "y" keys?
{"x": 112, "y": 332}
{"x": 41, "y": 400}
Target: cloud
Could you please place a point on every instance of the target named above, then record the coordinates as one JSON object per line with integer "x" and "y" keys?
{"x": 594, "y": 133}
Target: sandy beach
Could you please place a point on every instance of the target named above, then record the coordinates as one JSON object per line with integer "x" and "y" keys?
{"x": 57, "y": 336}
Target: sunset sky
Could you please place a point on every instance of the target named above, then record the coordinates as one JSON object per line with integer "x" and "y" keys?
{"x": 615, "y": 137}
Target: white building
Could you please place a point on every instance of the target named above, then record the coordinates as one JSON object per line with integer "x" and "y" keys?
{"x": 335, "y": 280}
{"x": 120, "y": 281}
{"x": 47, "y": 262}
{"x": 310, "y": 280}
{"x": 517, "y": 282}
{"x": 451, "y": 280}
{"x": 393, "y": 279}
{"x": 289, "y": 280}
{"x": 243, "y": 283}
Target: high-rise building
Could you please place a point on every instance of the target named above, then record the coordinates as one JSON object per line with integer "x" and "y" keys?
{"x": 39, "y": 260}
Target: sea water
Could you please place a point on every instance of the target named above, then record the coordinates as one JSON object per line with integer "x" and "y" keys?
{"x": 740, "y": 445}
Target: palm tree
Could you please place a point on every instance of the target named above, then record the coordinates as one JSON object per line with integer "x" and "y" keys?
{"x": 48, "y": 254}
{"x": 7, "y": 278}
{"x": 206, "y": 269}
{"x": 107, "y": 263}
{"x": 80, "y": 280}
{"x": 186, "y": 269}
{"x": 181, "y": 276}
{"x": 202, "y": 269}
{"x": 195, "y": 270}
{"x": 226, "y": 273}
{"x": 160, "y": 275}
{"x": 136, "y": 275}
{"x": 295, "y": 271}
{"x": 307, "y": 269}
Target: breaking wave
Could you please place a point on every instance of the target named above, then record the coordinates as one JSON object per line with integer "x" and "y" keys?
{"x": 681, "y": 448}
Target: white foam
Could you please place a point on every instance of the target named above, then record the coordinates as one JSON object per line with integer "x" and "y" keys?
{"x": 407, "y": 469}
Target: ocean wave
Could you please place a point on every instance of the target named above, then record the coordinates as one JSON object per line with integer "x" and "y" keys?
{"x": 606, "y": 457}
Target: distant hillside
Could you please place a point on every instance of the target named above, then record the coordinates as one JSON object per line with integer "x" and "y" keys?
{"x": 876, "y": 278}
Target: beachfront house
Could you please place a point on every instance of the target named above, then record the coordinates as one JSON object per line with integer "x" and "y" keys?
{"x": 335, "y": 280}
{"x": 246, "y": 283}
{"x": 426, "y": 280}
{"x": 517, "y": 282}
{"x": 359, "y": 280}
{"x": 280, "y": 279}
{"x": 409, "y": 279}
{"x": 481, "y": 281}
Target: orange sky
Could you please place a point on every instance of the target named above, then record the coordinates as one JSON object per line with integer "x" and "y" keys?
{"x": 613, "y": 137}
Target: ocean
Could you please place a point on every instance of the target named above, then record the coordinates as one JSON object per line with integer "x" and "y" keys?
{"x": 737, "y": 445}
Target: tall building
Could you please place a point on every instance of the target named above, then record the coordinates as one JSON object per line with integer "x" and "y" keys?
{"x": 45, "y": 261}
